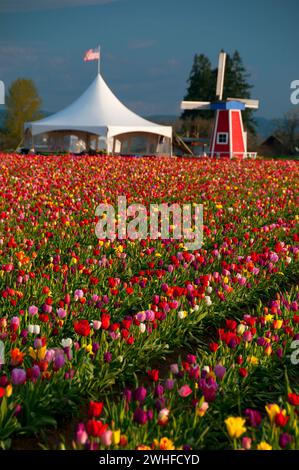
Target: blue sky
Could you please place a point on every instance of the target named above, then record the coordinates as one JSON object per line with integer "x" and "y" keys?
{"x": 148, "y": 47}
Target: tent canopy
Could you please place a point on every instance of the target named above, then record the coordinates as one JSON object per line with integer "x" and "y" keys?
{"x": 97, "y": 111}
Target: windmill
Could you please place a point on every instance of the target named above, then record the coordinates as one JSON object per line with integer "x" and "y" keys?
{"x": 228, "y": 137}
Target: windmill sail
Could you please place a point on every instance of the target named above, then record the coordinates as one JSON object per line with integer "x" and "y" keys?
{"x": 220, "y": 75}
{"x": 195, "y": 105}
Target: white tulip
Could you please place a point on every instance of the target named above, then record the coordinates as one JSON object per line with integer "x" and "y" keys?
{"x": 66, "y": 342}
{"x": 36, "y": 329}
{"x": 240, "y": 329}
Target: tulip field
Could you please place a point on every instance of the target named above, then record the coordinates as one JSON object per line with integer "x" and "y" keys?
{"x": 143, "y": 344}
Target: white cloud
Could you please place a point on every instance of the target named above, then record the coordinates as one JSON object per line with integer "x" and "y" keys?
{"x": 13, "y": 6}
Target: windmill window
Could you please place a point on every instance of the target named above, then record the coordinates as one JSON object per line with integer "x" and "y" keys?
{"x": 222, "y": 138}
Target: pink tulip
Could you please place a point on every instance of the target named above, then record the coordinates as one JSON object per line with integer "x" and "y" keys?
{"x": 32, "y": 310}
{"x": 106, "y": 438}
{"x": 185, "y": 391}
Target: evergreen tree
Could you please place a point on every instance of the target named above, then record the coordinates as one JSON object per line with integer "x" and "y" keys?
{"x": 23, "y": 105}
{"x": 201, "y": 86}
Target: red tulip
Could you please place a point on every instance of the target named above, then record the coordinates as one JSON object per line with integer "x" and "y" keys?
{"x": 95, "y": 409}
{"x": 82, "y": 327}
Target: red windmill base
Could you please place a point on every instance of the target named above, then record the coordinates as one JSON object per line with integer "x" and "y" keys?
{"x": 228, "y": 137}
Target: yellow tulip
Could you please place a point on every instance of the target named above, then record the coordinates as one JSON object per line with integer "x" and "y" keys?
{"x": 235, "y": 426}
{"x": 8, "y": 391}
{"x": 116, "y": 437}
{"x": 277, "y": 324}
{"x": 268, "y": 318}
{"x": 38, "y": 353}
{"x": 253, "y": 360}
{"x": 272, "y": 411}
{"x": 264, "y": 446}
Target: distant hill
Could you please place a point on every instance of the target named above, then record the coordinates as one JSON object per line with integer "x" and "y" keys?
{"x": 265, "y": 127}
{"x": 166, "y": 119}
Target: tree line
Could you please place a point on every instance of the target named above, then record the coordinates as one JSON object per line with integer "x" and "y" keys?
{"x": 23, "y": 104}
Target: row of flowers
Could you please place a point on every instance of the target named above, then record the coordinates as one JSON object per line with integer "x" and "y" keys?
{"x": 79, "y": 314}
{"x": 188, "y": 408}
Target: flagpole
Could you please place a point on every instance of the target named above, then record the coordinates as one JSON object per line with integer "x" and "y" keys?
{"x": 99, "y": 48}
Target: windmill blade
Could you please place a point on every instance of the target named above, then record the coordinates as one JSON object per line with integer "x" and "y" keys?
{"x": 195, "y": 105}
{"x": 253, "y": 104}
{"x": 220, "y": 75}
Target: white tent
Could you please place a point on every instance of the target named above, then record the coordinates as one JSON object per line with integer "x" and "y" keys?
{"x": 100, "y": 121}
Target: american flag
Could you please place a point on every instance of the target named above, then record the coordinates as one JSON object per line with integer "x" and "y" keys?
{"x": 92, "y": 54}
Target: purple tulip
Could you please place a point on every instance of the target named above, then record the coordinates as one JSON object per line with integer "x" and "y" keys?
{"x": 169, "y": 384}
{"x": 140, "y": 416}
{"x": 284, "y": 440}
{"x": 68, "y": 352}
{"x": 59, "y": 362}
{"x": 35, "y": 372}
{"x": 159, "y": 390}
{"x": 254, "y": 417}
{"x": 17, "y": 410}
{"x": 186, "y": 447}
{"x": 140, "y": 394}
{"x": 279, "y": 353}
{"x": 18, "y": 376}
{"x": 232, "y": 343}
{"x": 4, "y": 381}
{"x": 107, "y": 356}
{"x": 209, "y": 388}
{"x": 219, "y": 371}
{"x": 95, "y": 347}
{"x": 38, "y": 343}
{"x": 160, "y": 403}
{"x": 127, "y": 394}
{"x": 261, "y": 341}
